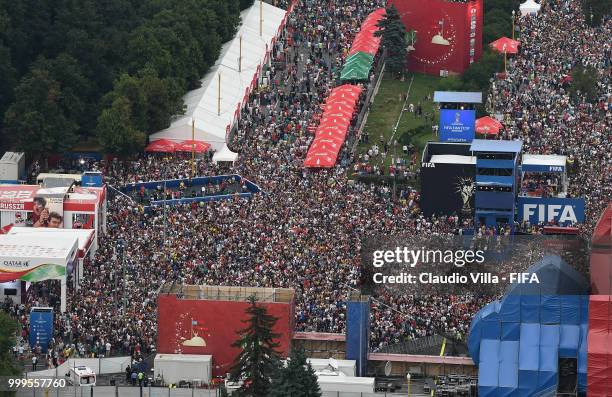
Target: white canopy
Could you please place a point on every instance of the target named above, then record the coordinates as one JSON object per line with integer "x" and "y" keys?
{"x": 31, "y": 258}
{"x": 212, "y": 120}
{"x": 84, "y": 236}
{"x": 452, "y": 159}
{"x": 529, "y": 7}
{"x": 544, "y": 159}
{"x": 225, "y": 154}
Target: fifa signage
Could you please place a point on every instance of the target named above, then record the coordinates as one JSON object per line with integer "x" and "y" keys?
{"x": 561, "y": 211}
{"x": 457, "y": 125}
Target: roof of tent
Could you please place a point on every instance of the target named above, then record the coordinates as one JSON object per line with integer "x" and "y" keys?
{"x": 543, "y": 162}
{"x": 31, "y": 258}
{"x": 84, "y": 236}
{"x": 528, "y": 7}
{"x": 202, "y": 103}
{"x": 225, "y": 154}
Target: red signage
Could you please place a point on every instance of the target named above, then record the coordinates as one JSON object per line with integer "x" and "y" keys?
{"x": 210, "y": 327}
{"x": 448, "y": 34}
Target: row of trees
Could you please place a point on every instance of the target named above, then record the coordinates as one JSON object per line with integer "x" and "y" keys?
{"x": 111, "y": 69}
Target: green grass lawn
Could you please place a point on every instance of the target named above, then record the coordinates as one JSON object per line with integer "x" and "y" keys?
{"x": 388, "y": 105}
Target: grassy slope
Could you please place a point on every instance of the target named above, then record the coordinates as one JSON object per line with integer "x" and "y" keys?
{"x": 387, "y": 106}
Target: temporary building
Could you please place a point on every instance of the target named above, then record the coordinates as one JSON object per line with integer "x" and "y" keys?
{"x": 31, "y": 258}
{"x": 518, "y": 342}
{"x": 529, "y": 7}
{"x": 216, "y": 105}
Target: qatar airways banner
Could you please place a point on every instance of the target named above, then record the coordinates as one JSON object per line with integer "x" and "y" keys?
{"x": 448, "y": 34}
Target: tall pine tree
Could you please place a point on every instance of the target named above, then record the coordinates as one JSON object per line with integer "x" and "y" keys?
{"x": 393, "y": 34}
{"x": 297, "y": 379}
{"x": 258, "y": 360}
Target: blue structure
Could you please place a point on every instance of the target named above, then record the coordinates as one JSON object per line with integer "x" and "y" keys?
{"x": 457, "y": 115}
{"x": 520, "y": 341}
{"x": 251, "y": 189}
{"x": 357, "y": 335}
{"x": 41, "y": 327}
{"x": 496, "y": 181}
{"x": 92, "y": 179}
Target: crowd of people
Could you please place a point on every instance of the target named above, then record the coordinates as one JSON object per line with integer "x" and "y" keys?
{"x": 306, "y": 229}
{"x": 535, "y": 98}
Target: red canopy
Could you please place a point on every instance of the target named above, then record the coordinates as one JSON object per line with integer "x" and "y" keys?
{"x": 161, "y": 146}
{"x": 506, "y": 45}
{"x": 338, "y": 111}
{"x": 488, "y": 126}
{"x": 196, "y": 146}
{"x": 365, "y": 41}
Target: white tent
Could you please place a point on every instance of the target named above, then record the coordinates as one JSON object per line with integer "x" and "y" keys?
{"x": 31, "y": 258}
{"x": 529, "y": 7}
{"x": 225, "y": 154}
{"x": 214, "y": 113}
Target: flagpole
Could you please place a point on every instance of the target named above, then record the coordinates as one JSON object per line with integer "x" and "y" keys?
{"x": 192, "y": 148}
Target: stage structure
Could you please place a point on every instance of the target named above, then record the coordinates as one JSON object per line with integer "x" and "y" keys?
{"x": 496, "y": 181}
{"x": 448, "y": 34}
{"x": 205, "y": 320}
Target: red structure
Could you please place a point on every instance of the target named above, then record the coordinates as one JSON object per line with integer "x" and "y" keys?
{"x": 456, "y": 27}
{"x": 205, "y": 320}
{"x": 599, "y": 360}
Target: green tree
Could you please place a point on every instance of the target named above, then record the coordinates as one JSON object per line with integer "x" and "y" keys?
{"x": 596, "y": 10}
{"x": 39, "y": 120}
{"x": 584, "y": 84}
{"x": 258, "y": 360}
{"x": 296, "y": 379}
{"x": 8, "y": 327}
{"x": 393, "y": 35}
{"x": 116, "y": 132}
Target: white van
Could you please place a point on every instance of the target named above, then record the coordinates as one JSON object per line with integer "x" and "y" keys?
{"x": 82, "y": 376}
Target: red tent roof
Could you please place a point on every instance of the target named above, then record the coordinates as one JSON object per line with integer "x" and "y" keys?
{"x": 333, "y": 127}
{"x": 488, "y": 125}
{"x": 196, "y": 146}
{"x": 365, "y": 41}
{"x": 505, "y": 45}
{"x": 161, "y": 146}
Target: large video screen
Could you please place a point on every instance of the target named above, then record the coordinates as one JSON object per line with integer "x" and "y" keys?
{"x": 457, "y": 125}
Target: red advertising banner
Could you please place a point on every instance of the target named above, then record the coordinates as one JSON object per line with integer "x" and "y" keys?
{"x": 210, "y": 327}
{"x": 448, "y": 34}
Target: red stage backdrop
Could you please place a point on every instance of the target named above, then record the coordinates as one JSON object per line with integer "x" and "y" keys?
{"x": 217, "y": 323}
{"x": 462, "y": 30}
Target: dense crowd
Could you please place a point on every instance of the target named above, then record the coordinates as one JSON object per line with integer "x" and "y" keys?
{"x": 535, "y": 98}
{"x": 305, "y": 230}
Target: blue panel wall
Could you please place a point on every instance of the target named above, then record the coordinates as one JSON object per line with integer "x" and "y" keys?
{"x": 358, "y": 324}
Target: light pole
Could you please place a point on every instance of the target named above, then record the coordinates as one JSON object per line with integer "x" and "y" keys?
{"x": 513, "y": 19}
{"x": 408, "y": 378}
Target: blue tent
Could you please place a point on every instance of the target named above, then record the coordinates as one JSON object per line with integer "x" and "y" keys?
{"x": 518, "y": 340}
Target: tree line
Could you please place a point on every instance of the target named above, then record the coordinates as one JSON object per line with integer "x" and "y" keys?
{"x": 115, "y": 70}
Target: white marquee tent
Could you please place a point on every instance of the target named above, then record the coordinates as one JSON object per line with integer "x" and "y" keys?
{"x": 529, "y": 7}
{"x": 213, "y": 118}
{"x": 31, "y": 258}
